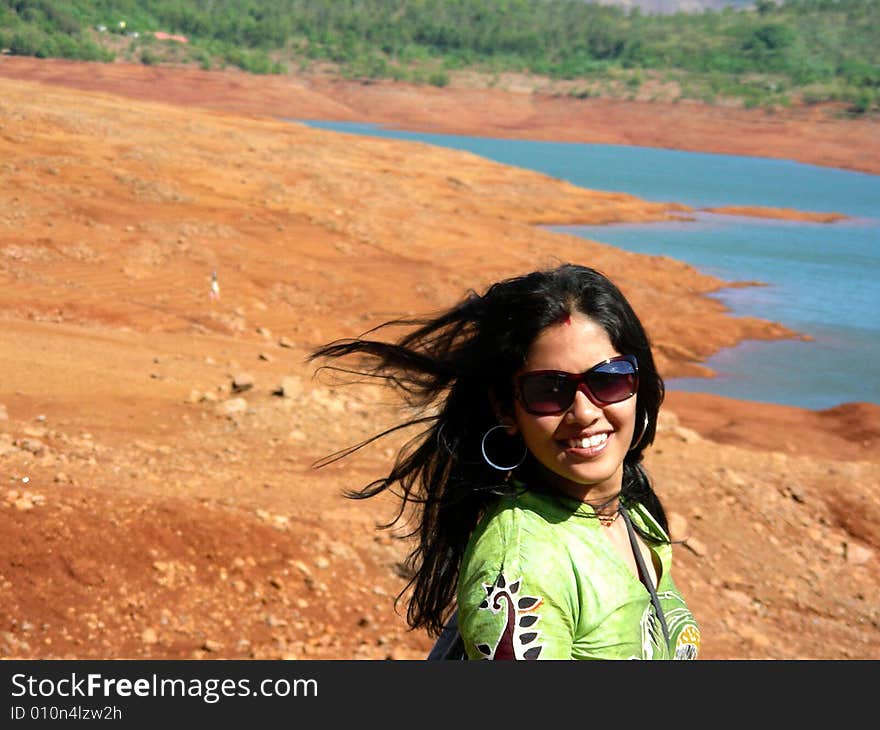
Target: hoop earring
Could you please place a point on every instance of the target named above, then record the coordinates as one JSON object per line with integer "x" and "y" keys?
{"x": 642, "y": 434}
{"x": 492, "y": 463}
{"x": 441, "y": 442}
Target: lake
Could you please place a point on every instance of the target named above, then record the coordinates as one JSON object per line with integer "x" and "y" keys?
{"x": 821, "y": 279}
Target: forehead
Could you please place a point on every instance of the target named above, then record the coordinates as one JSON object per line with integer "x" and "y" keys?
{"x": 573, "y": 345}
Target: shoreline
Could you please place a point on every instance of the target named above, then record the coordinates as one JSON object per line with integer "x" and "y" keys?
{"x": 814, "y": 134}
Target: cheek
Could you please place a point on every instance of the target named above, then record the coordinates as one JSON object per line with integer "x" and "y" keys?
{"x": 622, "y": 417}
{"x": 535, "y": 430}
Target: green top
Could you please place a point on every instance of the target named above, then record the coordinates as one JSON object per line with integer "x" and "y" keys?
{"x": 539, "y": 580}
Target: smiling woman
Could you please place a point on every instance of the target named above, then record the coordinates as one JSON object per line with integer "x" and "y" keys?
{"x": 539, "y": 534}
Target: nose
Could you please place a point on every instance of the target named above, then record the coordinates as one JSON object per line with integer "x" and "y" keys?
{"x": 583, "y": 410}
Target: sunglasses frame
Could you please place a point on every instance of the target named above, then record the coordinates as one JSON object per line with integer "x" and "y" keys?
{"x": 580, "y": 380}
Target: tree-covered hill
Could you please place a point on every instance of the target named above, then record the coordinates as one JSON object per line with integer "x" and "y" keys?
{"x": 770, "y": 54}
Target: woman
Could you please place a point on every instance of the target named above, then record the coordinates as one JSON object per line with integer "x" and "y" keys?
{"x": 539, "y": 534}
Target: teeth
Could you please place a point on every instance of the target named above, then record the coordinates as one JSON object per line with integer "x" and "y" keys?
{"x": 590, "y": 442}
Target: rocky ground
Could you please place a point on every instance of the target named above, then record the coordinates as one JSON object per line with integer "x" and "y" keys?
{"x": 157, "y": 445}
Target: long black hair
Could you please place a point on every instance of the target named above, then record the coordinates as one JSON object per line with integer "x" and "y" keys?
{"x": 450, "y": 367}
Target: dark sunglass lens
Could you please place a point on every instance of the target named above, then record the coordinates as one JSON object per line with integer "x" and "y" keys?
{"x": 613, "y": 382}
{"x": 546, "y": 393}
{"x": 612, "y": 387}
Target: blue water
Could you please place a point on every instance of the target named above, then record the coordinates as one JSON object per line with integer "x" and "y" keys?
{"x": 820, "y": 280}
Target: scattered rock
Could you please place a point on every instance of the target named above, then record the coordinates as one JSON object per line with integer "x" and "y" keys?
{"x": 241, "y": 382}
{"x": 678, "y": 526}
{"x": 697, "y": 547}
{"x": 22, "y": 504}
{"x": 301, "y": 567}
{"x": 666, "y": 421}
{"x": 149, "y": 636}
{"x": 232, "y": 406}
{"x": 737, "y": 599}
{"x": 291, "y": 387}
{"x": 33, "y": 445}
{"x": 795, "y": 491}
{"x": 857, "y": 554}
{"x": 325, "y": 399}
{"x": 688, "y": 435}
{"x": 733, "y": 478}
{"x": 750, "y": 633}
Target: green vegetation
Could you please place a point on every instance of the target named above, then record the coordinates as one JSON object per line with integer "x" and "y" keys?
{"x": 809, "y": 50}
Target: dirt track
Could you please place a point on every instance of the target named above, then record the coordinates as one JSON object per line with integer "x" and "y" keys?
{"x": 149, "y": 513}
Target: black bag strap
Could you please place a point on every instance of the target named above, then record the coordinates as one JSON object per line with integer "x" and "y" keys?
{"x": 643, "y": 572}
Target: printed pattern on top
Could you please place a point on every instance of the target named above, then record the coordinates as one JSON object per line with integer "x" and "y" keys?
{"x": 520, "y": 636}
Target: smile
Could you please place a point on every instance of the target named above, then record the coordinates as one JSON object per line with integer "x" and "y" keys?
{"x": 594, "y": 442}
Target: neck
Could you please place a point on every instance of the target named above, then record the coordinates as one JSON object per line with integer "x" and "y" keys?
{"x": 602, "y": 497}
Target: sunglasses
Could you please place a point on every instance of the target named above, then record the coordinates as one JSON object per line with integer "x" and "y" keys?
{"x": 551, "y": 392}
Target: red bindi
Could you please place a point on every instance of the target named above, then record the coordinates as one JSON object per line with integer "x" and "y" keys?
{"x": 563, "y": 319}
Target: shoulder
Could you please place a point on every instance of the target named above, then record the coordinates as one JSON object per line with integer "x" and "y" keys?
{"x": 512, "y": 525}
{"x": 520, "y": 537}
